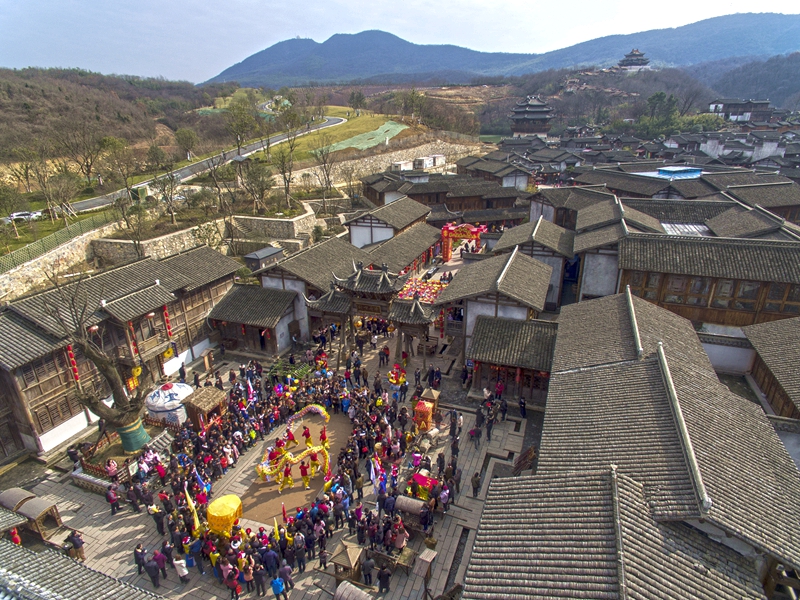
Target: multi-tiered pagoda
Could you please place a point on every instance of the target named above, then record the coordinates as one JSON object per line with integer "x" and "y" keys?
{"x": 530, "y": 116}
{"x": 634, "y": 61}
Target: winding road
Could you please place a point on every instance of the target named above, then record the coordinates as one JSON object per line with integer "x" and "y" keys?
{"x": 202, "y": 165}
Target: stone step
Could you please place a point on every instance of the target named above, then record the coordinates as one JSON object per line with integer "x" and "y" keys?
{"x": 162, "y": 442}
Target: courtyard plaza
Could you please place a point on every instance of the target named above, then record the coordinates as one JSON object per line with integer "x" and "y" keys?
{"x": 110, "y": 540}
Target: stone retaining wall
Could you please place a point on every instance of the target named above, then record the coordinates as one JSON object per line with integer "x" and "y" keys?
{"x": 114, "y": 252}
{"x": 363, "y": 166}
{"x": 34, "y": 274}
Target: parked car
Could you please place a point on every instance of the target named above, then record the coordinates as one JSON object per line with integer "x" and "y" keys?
{"x": 25, "y": 216}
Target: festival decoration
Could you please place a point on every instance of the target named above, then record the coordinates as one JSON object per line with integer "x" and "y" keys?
{"x": 315, "y": 408}
{"x": 428, "y": 290}
{"x": 166, "y": 322}
{"x": 423, "y": 412}
{"x": 223, "y": 512}
{"x": 451, "y": 232}
{"x": 397, "y": 376}
{"x": 72, "y": 364}
{"x": 270, "y": 469}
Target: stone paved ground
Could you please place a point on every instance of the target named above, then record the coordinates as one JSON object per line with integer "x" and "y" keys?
{"x": 110, "y": 541}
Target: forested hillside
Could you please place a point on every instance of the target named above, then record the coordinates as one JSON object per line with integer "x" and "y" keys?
{"x": 37, "y": 103}
{"x": 776, "y": 79}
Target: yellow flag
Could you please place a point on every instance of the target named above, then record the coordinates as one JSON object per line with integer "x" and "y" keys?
{"x": 275, "y": 520}
{"x": 190, "y": 504}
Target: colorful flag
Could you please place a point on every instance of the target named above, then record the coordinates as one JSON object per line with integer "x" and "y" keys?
{"x": 190, "y": 504}
{"x": 283, "y": 509}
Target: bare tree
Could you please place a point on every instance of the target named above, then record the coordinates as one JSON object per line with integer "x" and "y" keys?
{"x": 226, "y": 197}
{"x": 11, "y": 202}
{"x": 257, "y": 181}
{"x": 22, "y": 169}
{"x": 325, "y": 164}
{"x": 166, "y": 187}
{"x": 283, "y": 157}
{"x": 58, "y": 185}
{"x": 75, "y": 318}
{"x": 241, "y": 121}
{"x": 82, "y": 142}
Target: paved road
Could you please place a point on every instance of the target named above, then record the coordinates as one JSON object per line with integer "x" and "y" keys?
{"x": 201, "y": 166}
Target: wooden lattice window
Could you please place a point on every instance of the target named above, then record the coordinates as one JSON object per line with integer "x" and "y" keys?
{"x": 783, "y": 298}
{"x": 736, "y": 295}
{"x": 645, "y": 285}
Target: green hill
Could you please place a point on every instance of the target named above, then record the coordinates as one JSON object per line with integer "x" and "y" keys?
{"x": 380, "y": 56}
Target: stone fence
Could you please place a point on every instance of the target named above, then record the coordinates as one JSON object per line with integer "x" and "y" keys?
{"x": 34, "y": 274}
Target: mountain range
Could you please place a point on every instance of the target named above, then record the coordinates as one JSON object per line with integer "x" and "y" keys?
{"x": 380, "y": 56}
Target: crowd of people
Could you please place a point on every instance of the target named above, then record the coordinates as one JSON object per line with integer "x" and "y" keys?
{"x": 175, "y": 487}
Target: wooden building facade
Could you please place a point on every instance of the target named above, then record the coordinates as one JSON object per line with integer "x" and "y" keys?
{"x": 150, "y": 316}
{"x": 733, "y": 282}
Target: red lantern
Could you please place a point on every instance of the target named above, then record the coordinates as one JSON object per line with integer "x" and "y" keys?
{"x": 133, "y": 339}
{"x": 244, "y": 331}
{"x": 166, "y": 321}
{"x": 73, "y": 365}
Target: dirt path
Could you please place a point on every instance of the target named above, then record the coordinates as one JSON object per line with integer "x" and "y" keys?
{"x": 262, "y": 502}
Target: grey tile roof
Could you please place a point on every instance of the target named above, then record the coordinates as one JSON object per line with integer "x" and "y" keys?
{"x": 611, "y": 211}
{"x": 107, "y": 285}
{"x": 756, "y": 260}
{"x": 778, "y": 345}
{"x": 21, "y": 341}
{"x": 401, "y": 250}
{"x": 317, "y": 264}
{"x": 609, "y": 235}
{"x": 627, "y": 417}
{"x": 333, "y": 302}
{"x": 46, "y": 575}
{"x": 625, "y": 183}
{"x": 411, "y": 312}
{"x": 591, "y": 535}
{"x": 514, "y": 275}
{"x": 399, "y": 214}
{"x": 680, "y": 211}
{"x": 514, "y": 343}
{"x": 768, "y": 196}
{"x": 741, "y": 222}
{"x": 372, "y": 281}
{"x": 253, "y": 305}
{"x": 628, "y": 403}
{"x": 693, "y": 188}
{"x": 9, "y": 519}
{"x": 201, "y": 266}
{"x": 576, "y": 197}
{"x": 139, "y": 302}
{"x": 541, "y": 232}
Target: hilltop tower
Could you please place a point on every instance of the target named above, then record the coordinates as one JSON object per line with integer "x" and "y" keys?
{"x": 634, "y": 61}
{"x": 530, "y": 117}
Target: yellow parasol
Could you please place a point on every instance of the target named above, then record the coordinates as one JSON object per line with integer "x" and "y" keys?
{"x": 223, "y": 512}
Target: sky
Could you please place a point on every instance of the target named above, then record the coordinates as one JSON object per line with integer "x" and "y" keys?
{"x": 196, "y": 39}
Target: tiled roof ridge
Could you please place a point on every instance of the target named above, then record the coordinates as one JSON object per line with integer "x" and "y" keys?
{"x": 623, "y": 588}
{"x": 683, "y": 433}
{"x": 88, "y": 276}
{"x": 506, "y": 267}
{"x": 535, "y": 229}
{"x": 752, "y": 185}
{"x": 637, "y": 340}
{"x": 156, "y": 283}
{"x": 714, "y": 240}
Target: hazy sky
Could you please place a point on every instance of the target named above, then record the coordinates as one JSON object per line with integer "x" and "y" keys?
{"x": 196, "y": 39}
